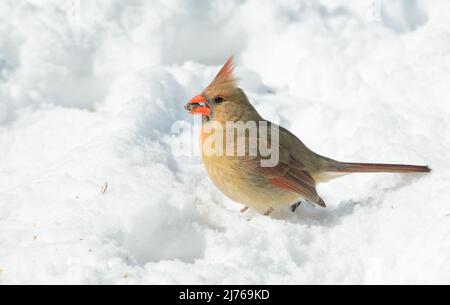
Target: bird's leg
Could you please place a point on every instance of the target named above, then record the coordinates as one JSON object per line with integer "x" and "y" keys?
{"x": 244, "y": 209}
{"x": 268, "y": 212}
{"x": 295, "y": 206}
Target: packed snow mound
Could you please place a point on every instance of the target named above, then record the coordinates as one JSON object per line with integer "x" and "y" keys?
{"x": 93, "y": 189}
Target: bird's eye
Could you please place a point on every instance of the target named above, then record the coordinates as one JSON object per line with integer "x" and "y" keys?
{"x": 218, "y": 99}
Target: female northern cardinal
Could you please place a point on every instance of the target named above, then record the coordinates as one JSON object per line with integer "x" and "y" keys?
{"x": 242, "y": 177}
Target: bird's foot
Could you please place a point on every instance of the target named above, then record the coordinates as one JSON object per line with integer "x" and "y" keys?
{"x": 268, "y": 212}
{"x": 244, "y": 209}
{"x": 295, "y": 206}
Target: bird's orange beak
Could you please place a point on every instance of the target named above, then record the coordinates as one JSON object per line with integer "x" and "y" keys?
{"x": 198, "y": 105}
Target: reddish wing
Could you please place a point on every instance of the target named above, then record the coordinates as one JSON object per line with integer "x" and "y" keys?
{"x": 291, "y": 175}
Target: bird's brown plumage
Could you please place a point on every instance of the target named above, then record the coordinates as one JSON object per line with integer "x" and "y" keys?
{"x": 241, "y": 177}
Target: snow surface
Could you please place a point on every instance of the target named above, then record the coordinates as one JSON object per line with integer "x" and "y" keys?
{"x": 89, "y": 94}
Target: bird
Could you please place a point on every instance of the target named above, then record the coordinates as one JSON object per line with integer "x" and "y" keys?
{"x": 294, "y": 176}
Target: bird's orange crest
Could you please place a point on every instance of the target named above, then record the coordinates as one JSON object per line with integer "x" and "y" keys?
{"x": 225, "y": 76}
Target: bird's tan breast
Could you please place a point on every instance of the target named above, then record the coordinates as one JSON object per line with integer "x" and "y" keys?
{"x": 245, "y": 186}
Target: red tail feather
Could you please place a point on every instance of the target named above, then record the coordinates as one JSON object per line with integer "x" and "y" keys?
{"x": 379, "y": 168}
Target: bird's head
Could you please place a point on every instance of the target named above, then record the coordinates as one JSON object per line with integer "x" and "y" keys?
{"x": 222, "y": 100}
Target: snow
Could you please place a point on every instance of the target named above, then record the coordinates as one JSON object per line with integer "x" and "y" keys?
{"x": 90, "y": 92}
